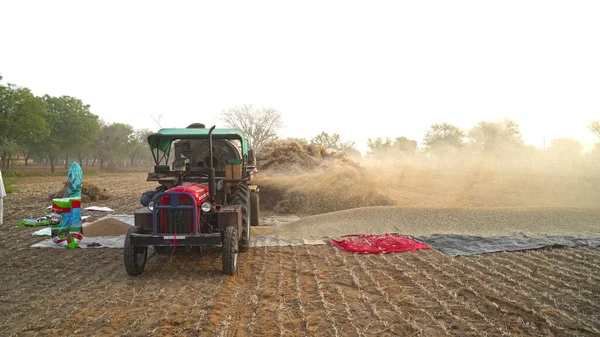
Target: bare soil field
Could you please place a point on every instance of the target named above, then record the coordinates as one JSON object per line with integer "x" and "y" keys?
{"x": 292, "y": 291}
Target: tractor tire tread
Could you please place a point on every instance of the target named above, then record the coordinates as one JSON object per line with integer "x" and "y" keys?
{"x": 132, "y": 266}
{"x": 230, "y": 250}
{"x": 241, "y": 196}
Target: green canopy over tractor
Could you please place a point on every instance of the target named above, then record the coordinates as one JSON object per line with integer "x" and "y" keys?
{"x": 163, "y": 138}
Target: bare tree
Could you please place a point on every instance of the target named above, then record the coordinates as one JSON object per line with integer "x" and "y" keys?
{"x": 260, "y": 125}
{"x": 157, "y": 119}
{"x": 595, "y": 127}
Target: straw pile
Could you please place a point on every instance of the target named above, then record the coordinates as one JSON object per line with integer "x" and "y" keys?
{"x": 89, "y": 192}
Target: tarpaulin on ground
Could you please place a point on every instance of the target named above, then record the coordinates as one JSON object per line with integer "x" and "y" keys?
{"x": 377, "y": 244}
{"x": 456, "y": 245}
{"x": 86, "y": 242}
{"x": 119, "y": 242}
{"x": 41, "y": 221}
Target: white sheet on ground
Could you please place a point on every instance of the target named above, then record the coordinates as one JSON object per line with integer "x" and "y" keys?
{"x": 99, "y": 208}
{"x": 43, "y": 232}
{"x": 119, "y": 242}
{"x": 271, "y": 241}
{"x": 104, "y": 241}
{"x": 126, "y": 218}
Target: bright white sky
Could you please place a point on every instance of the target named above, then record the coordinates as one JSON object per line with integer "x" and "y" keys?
{"x": 360, "y": 69}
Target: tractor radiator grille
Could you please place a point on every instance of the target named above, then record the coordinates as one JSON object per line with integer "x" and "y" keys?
{"x": 178, "y": 221}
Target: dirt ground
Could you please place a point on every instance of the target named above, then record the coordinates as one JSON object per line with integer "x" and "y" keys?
{"x": 285, "y": 291}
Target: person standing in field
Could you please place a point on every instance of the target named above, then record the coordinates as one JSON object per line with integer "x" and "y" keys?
{"x": 2, "y": 195}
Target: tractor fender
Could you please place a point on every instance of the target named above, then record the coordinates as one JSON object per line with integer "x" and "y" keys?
{"x": 230, "y": 216}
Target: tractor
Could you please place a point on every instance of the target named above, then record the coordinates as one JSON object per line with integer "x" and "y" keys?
{"x": 204, "y": 198}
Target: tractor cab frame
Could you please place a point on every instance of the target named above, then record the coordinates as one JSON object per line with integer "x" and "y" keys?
{"x": 204, "y": 197}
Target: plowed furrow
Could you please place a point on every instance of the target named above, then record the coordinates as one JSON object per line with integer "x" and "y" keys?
{"x": 531, "y": 291}
{"x": 530, "y": 288}
{"x": 347, "y": 309}
{"x": 516, "y": 316}
{"x": 291, "y": 314}
{"x": 385, "y": 317}
{"x": 557, "y": 276}
{"x": 583, "y": 273}
{"x": 592, "y": 253}
{"x": 402, "y": 283}
{"x": 324, "y": 296}
{"x": 584, "y": 278}
{"x": 546, "y": 280}
{"x": 232, "y": 303}
{"x": 519, "y": 298}
{"x": 260, "y": 296}
{"x": 468, "y": 297}
{"x": 315, "y": 313}
{"x": 60, "y": 283}
{"x": 572, "y": 256}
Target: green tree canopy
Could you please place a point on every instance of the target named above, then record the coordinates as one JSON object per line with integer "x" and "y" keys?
{"x": 72, "y": 126}
{"x": 443, "y": 136}
{"x": 494, "y": 137}
{"x": 139, "y": 144}
{"x": 115, "y": 141}
{"x": 380, "y": 148}
{"x": 22, "y": 121}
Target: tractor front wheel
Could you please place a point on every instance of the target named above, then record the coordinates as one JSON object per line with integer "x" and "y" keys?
{"x": 241, "y": 196}
{"x": 230, "y": 251}
{"x": 135, "y": 257}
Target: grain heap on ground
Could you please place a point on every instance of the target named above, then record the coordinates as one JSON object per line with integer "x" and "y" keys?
{"x": 428, "y": 221}
{"x": 106, "y": 227}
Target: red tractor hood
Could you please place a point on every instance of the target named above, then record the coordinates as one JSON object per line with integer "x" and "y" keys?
{"x": 198, "y": 191}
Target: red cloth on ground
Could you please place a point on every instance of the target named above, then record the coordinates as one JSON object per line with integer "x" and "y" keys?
{"x": 377, "y": 244}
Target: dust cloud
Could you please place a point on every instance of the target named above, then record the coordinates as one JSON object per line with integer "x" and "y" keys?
{"x": 524, "y": 179}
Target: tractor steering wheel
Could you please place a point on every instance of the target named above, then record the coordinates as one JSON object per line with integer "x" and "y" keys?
{"x": 194, "y": 177}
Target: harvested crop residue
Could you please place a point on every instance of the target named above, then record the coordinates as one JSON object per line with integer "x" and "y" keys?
{"x": 333, "y": 186}
{"x": 89, "y": 192}
{"x": 336, "y": 185}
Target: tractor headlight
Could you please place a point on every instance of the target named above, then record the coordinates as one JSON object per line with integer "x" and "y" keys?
{"x": 151, "y": 205}
{"x": 205, "y": 207}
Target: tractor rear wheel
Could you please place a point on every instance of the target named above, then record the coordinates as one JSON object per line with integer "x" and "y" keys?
{"x": 241, "y": 196}
{"x": 134, "y": 256}
{"x": 254, "y": 209}
{"x": 230, "y": 250}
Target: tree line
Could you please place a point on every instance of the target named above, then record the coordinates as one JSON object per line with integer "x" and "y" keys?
{"x": 500, "y": 139}
{"x": 46, "y": 129}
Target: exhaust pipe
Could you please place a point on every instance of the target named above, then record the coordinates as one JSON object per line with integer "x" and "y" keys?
{"x": 212, "y": 185}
